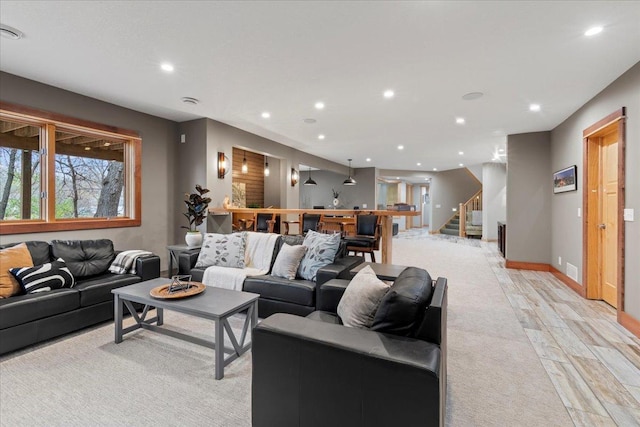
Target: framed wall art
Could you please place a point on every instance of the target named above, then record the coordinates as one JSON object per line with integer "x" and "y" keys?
{"x": 565, "y": 180}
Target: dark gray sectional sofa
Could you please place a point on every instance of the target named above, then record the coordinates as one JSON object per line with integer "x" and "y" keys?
{"x": 32, "y": 318}
{"x": 279, "y": 295}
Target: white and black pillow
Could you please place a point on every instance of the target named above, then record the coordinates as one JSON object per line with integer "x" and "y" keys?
{"x": 45, "y": 277}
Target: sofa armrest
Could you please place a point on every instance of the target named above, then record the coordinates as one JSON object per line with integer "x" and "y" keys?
{"x": 328, "y": 294}
{"x": 301, "y": 367}
{"x": 187, "y": 260}
{"x": 148, "y": 267}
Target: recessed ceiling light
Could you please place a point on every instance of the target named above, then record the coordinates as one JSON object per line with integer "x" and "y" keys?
{"x": 87, "y": 148}
{"x": 266, "y": 115}
{"x": 435, "y": 169}
{"x": 388, "y": 94}
{"x": 10, "y": 32}
{"x": 397, "y": 177}
{"x": 418, "y": 164}
{"x": 460, "y": 120}
{"x": 501, "y": 150}
{"x": 593, "y": 31}
{"x": 106, "y": 144}
{"x": 321, "y": 136}
{"x": 426, "y": 179}
{"x": 167, "y": 67}
{"x": 472, "y": 96}
{"x": 461, "y": 153}
{"x": 319, "y": 105}
{"x": 400, "y": 147}
{"x": 368, "y": 159}
{"x": 309, "y": 121}
{"x": 534, "y": 107}
{"x": 189, "y": 100}
{"x": 461, "y": 164}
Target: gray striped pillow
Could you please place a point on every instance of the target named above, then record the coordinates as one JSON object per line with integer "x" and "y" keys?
{"x": 45, "y": 277}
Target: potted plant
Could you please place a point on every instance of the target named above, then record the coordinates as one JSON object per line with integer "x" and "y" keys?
{"x": 195, "y": 214}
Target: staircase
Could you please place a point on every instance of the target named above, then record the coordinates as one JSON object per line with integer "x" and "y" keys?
{"x": 452, "y": 227}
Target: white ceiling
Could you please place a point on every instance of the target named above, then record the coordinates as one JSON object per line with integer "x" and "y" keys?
{"x": 242, "y": 58}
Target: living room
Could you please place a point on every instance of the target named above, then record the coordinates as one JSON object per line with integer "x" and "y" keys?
{"x": 545, "y": 229}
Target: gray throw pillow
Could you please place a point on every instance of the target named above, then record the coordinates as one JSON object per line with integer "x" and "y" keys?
{"x": 321, "y": 250}
{"x": 223, "y": 250}
{"x": 288, "y": 260}
{"x": 360, "y": 300}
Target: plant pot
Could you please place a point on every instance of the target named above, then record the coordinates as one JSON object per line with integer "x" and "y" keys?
{"x": 193, "y": 239}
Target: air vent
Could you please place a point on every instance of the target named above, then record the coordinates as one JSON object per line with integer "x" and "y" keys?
{"x": 309, "y": 121}
{"x": 189, "y": 100}
{"x": 572, "y": 271}
{"x": 10, "y": 33}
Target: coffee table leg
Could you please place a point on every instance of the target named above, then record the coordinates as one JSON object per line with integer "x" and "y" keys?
{"x": 117, "y": 317}
{"x": 219, "y": 349}
{"x": 160, "y": 315}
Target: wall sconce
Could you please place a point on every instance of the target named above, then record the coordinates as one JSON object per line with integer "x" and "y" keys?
{"x": 266, "y": 166}
{"x": 222, "y": 165}
{"x": 294, "y": 177}
{"x": 245, "y": 167}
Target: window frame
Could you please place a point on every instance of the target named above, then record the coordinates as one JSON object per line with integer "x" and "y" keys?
{"x": 48, "y": 122}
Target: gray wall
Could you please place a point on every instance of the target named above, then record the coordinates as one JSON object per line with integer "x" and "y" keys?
{"x": 529, "y": 190}
{"x": 357, "y": 195}
{"x": 159, "y": 169}
{"x": 494, "y": 198}
{"x": 449, "y": 189}
{"x": 566, "y": 150}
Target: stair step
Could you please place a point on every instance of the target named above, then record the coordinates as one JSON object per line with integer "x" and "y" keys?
{"x": 452, "y": 226}
{"x": 449, "y": 232}
{"x": 455, "y": 221}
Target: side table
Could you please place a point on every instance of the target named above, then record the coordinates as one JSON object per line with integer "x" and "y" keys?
{"x": 383, "y": 271}
{"x": 174, "y": 254}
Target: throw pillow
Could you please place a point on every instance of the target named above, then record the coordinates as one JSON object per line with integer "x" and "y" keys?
{"x": 321, "y": 250}
{"x": 223, "y": 250}
{"x": 15, "y": 256}
{"x": 45, "y": 277}
{"x": 288, "y": 260}
{"x": 360, "y": 300}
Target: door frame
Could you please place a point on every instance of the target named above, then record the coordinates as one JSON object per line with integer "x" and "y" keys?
{"x": 591, "y": 288}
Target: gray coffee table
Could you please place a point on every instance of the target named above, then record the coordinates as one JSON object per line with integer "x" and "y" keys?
{"x": 214, "y": 303}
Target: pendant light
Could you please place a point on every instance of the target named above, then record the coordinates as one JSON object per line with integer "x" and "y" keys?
{"x": 350, "y": 180}
{"x": 309, "y": 181}
{"x": 266, "y": 166}
{"x": 245, "y": 167}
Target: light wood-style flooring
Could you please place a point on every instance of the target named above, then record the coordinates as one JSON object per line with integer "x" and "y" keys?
{"x": 592, "y": 361}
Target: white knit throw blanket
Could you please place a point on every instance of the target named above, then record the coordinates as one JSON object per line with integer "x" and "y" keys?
{"x": 257, "y": 260}
{"x": 125, "y": 261}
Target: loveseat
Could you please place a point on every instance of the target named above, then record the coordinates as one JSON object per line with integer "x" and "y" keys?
{"x": 314, "y": 371}
{"x": 34, "y": 317}
{"x": 277, "y": 294}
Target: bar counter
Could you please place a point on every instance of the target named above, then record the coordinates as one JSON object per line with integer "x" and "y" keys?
{"x": 386, "y": 220}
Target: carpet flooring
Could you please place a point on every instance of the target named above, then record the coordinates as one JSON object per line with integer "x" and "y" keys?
{"x": 495, "y": 376}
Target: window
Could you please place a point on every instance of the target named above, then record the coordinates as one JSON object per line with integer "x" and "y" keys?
{"x": 60, "y": 173}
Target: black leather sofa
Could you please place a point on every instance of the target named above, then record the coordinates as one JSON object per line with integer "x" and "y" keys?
{"x": 279, "y": 295}
{"x": 313, "y": 371}
{"x": 32, "y": 318}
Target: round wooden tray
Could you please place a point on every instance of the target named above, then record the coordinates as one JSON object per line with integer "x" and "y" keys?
{"x": 162, "y": 291}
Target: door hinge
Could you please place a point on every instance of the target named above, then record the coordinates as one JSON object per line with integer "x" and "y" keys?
{"x": 43, "y": 151}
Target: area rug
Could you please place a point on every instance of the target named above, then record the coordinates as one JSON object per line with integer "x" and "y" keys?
{"x": 494, "y": 375}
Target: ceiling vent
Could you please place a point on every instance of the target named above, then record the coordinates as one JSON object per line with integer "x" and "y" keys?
{"x": 10, "y": 33}
{"x": 189, "y": 100}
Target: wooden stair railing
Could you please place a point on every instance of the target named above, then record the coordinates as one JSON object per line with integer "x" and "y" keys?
{"x": 474, "y": 204}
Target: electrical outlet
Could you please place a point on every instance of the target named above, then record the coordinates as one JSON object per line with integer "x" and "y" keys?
{"x": 559, "y": 260}
{"x": 628, "y": 214}
{"x": 183, "y": 138}
{"x": 364, "y": 206}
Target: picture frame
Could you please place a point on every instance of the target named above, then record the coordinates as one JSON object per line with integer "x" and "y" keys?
{"x": 565, "y": 180}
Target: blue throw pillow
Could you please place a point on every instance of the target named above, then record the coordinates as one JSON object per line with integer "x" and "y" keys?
{"x": 321, "y": 250}
{"x": 45, "y": 277}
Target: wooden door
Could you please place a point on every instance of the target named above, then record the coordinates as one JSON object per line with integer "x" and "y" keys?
{"x": 608, "y": 226}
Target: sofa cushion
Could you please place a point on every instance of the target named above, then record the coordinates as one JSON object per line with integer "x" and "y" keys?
{"x": 21, "y": 309}
{"x": 360, "y": 300}
{"x": 401, "y": 309}
{"x": 40, "y": 251}
{"x": 45, "y": 277}
{"x": 321, "y": 251}
{"x": 223, "y": 250}
{"x": 85, "y": 258}
{"x": 300, "y": 292}
{"x": 12, "y": 257}
{"x": 288, "y": 260}
{"x": 98, "y": 289}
